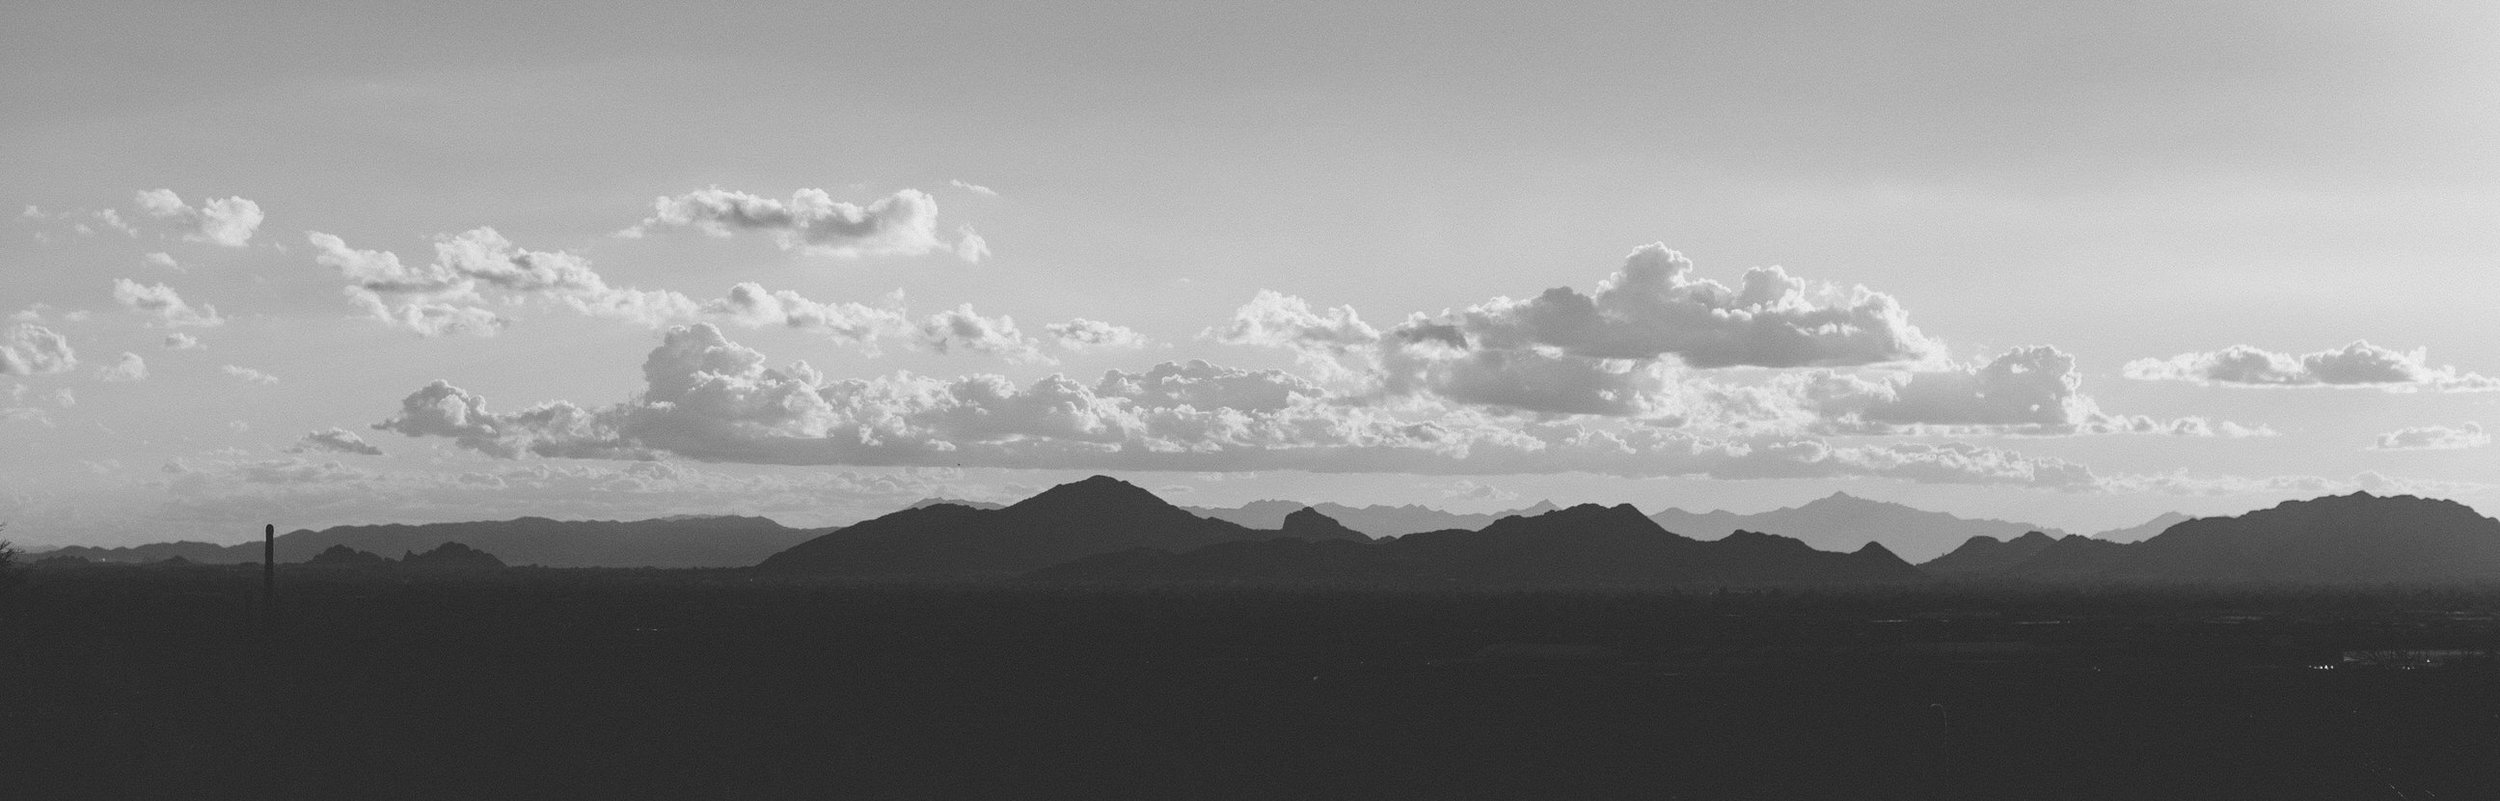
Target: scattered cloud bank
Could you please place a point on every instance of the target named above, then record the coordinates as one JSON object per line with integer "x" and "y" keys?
{"x": 334, "y": 440}
{"x": 224, "y": 221}
{"x": 710, "y": 399}
{"x": 164, "y": 303}
{"x": 2359, "y": 364}
{"x": 811, "y": 221}
{"x": 182, "y": 341}
{"x": 2433, "y": 438}
{"x": 1647, "y": 343}
{"x": 30, "y": 349}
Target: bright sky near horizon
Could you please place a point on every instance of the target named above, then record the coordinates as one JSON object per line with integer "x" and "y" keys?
{"x": 2073, "y": 263}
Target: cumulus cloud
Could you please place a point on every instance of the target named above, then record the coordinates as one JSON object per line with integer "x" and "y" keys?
{"x": 334, "y": 440}
{"x": 163, "y": 302}
{"x": 224, "y": 221}
{"x": 710, "y": 399}
{"x": 129, "y": 368}
{"x": 163, "y": 260}
{"x": 1083, "y": 334}
{"x": 962, "y": 330}
{"x": 2026, "y": 390}
{"x": 1274, "y": 319}
{"x": 973, "y": 188}
{"x": 751, "y": 305}
{"x": 182, "y": 341}
{"x": 2433, "y": 438}
{"x": 902, "y": 224}
{"x": 249, "y": 374}
{"x": 1653, "y": 306}
{"x": 2359, "y": 364}
{"x": 969, "y": 246}
{"x": 29, "y": 349}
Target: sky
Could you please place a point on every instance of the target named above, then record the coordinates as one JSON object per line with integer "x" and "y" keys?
{"x": 2076, "y": 264}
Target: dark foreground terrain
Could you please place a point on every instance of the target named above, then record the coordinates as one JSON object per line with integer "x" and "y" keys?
{"x": 128, "y": 682}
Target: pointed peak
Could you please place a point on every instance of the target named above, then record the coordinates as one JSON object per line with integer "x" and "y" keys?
{"x": 1877, "y": 549}
{"x": 2034, "y": 536}
{"x": 1098, "y": 492}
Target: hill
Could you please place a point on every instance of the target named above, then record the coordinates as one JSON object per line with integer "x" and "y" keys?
{"x": 1581, "y": 546}
{"x": 1841, "y": 520}
{"x": 2333, "y": 539}
{"x": 1375, "y": 520}
{"x": 1098, "y": 515}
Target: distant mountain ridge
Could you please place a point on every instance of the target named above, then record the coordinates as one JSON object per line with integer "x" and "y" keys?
{"x": 683, "y": 541}
{"x": 1375, "y": 520}
{"x": 1585, "y": 546}
{"x": 950, "y": 541}
{"x": 2338, "y": 538}
{"x": 1842, "y": 521}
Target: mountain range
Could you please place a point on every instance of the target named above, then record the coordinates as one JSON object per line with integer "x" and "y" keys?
{"x": 1070, "y": 521}
{"x": 1843, "y": 521}
{"x": 1375, "y": 520}
{"x": 1585, "y": 546}
{"x": 2338, "y": 538}
{"x": 683, "y": 541}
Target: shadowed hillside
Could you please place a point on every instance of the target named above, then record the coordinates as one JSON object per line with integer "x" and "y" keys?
{"x": 2339, "y": 538}
{"x": 1841, "y": 520}
{"x": 685, "y": 541}
{"x": 1586, "y": 545}
{"x": 1095, "y": 516}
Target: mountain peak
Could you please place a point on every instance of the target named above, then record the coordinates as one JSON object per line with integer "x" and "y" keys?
{"x": 1098, "y": 492}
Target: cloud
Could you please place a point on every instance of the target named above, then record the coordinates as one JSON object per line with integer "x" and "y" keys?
{"x": 163, "y": 302}
{"x": 2433, "y": 438}
{"x": 902, "y": 224}
{"x": 2359, "y": 364}
{"x": 334, "y": 440}
{"x": 710, "y": 399}
{"x": 29, "y": 349}
{"x": 129, "y": 368}
{"x": 64, "y": 398}
{"x": 1084, "y": 334}
{"x": 2181, "y": 482}
{"x": 1653, "y": 307}
{"x": 1469, "y": 489}
{"x": 962, "y": 330}
{"x": 1274, "y": 319}
{"x": 249, "y": 374}
{"x": 182, "y": 341}
{"x": 164, "y": 260}
{"x": 973, "y": 188}
{"x": 2031, "y": 390}
{"x": 969, "y": 246}
{"x": 224, "y": 221}
{"x": 751, "y": 305}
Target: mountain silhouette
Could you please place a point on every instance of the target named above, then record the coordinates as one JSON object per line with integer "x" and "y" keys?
{"x": 343, "y": 556}
{"x": 1841, "y": 520}
{"x": 1098, "y": 515}
{"x": 1375, "y": 520}
{"x": 1989, "y": 554}
{"x": 2332, "y": 539}
{"x": 451, "y": 556}
{"x": 1586, "y": 545}
{"x": 2145, "y": 530}
{"x": 680, "y": 541}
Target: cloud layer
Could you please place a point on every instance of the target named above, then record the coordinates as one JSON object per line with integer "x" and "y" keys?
{"x": 708, "y": 398}
{"x": 224, "y": 221}
{"x": 2433, "y": 438}
{"x": 2359, "y": 364}
{"x": 901, "y": 224}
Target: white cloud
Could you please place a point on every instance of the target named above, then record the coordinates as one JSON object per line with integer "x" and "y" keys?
{"x": 969, "y": 246}
{"x": 973, "y": 188}
{"x": 902, "y": 224}
{"x": 1653, "y": 307}
{"x": 1084, "y": 334}
{"x": 249, "y": 374}
{"x": 163, "y": 260}
{"x": 2433, "y": 438}
{"x": 64, "y": 398}
{"x": 1274, "y": 319}
{"x": 129, "y": 368}
{"x": 427, "y": 319}
{"x": 711, "y": 399}
{"x": 163, "y": 302}
{"x": 182, "y": 341}
{"x": 2030, "y": 390}
{"x": 751, "y": 305}
{"x": 224, "y": 221}
{"x": 2359, "y": 364}
{"x": 334, "y": 440}
{"x": 29, "y": 349}
{"x": 962, "y": 330}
